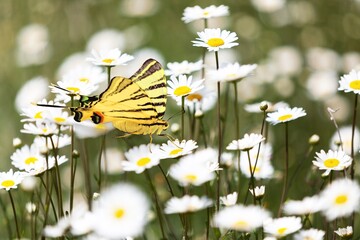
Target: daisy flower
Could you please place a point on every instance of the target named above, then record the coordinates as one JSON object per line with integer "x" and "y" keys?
{"x": 246, "y": 143}
{"x": 203, "y": 100}
{"x": 59, "y": 141}
{"x": 229, "y": 200}
{"x": 215, "y": 39}
{"x": 109, "y": 58}
{"x": 43, "y": 165}
{"x": 40, "y": 128}
{"x": 67, "y": 87}
{"x": 240, "y": 218}
{"x": 332, "y": 160}
{"x": 174, "y": 149}
{"x": 258, "y": 191}
{"x": 285, "y": 115}
{"x": 350, "y": 82}
{"x": 182, "y": 86}
{"x": 313, "y": 234}
{"x": 231, "y": 72}
{"x": 345, "y": 233}
{"x": 118, "y": 216}
{"x": 340, "y": 199}
{"x": 86, "y": 75}
{"x": 10, "y": 180}
{"x": 88, "y": 129}
{"x": 306, "y": 206}
{"x": 195, "y": 13}
{"x": 280, "y": 227}
{"x": 187, "y": 204}
{"x": 193, "y": 169}
{"x": 184, "y": 67}
{"x": 38, "y": 113}
{"x": 27, "y": 158}
{"x": 141, "y": 158}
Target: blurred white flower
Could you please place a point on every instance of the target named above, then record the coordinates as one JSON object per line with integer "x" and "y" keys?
{"x": 285, "y": 115}
{"x": 345, "y": 233}
{"x": 184, "y": 67}
{"x": 268, "y": 5}
{"x": 259, "y": 192}
{"x": 230, "y": 199}
{"x": 230, "y": 72}
{"x": 105, "y": 40}
{"x": 202, "y": 100}
{"x": 29, "y": 183}
{"x": 40, "y": 128}
{"x": 118, "y": 216}
{"x": 139, "y": 8}
{"x": 215, "y": 39}
{"x": 241, "y": 218}
{"x": 322, "y": 84}
{"x": 350, "y": 61}
{"x": 88, "y": 129}
{"x": 59, "y": 141}
{"x": 141, "y": 157}
{"x": 345, "y": 133}
{"x": 332, "y": 161}
{"x": 112, "y": 160}
{"x": 323, "y": 59}
{"x": 280, "y": 227}
{"x": 306, "y": 206}
{"x": 39, "y": 88}
{"x": 287, "y": 60}
{"x": 246, "y": 143}
{"x": 271, "y": 107}
{"x": 196, "y": 13}
{"x": 340, "y": 199}
{"x": 313, "y": 234}
{"x": 187, "y": 204}
{"x": 33, "y": 46}
{"x": 109, "y": 58}
{"x": 10, "y": 180}
{"x": 75, "y": 60}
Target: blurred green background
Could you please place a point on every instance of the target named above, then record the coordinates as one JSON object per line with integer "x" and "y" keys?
{"x": 290, "y": 40}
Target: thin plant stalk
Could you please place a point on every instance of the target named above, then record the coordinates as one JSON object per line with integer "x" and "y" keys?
{"x": 167, "y": 180}
{"x": 72, "y": 162}
{"x": 102, "y": 150}
{"x": 252, "y": 178}
{"x": 86, "y": 168}
{"x": 2, "y": 205}
{"x": 14, "y": 212}
{"x": 182, "y": 117}
{"x": 283, "y": 194}
{"x": 237, "y": 127}
{"x": 353, "y": 136}
{"x": 219, "y": 134}
{"x": 157, "y": 203}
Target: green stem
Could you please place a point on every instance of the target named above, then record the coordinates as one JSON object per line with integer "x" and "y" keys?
{"x": 219, "y": 134}
{"x": 352, "y": 137}
{"x": 283, "y": 194}
{"x": 72, "y": 168}
{"x": 2, "y": 205}
{"x": 182, "y": 117}
{"x": 108, "y": 69}
{"x": 167, "y": 181}
{"x": 86, "y": 167}
{"x": 102, "y": 150}
{"x": 252, "y": 178}
{"x": 14, "y": 212}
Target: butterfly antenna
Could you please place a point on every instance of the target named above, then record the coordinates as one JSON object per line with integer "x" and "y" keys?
{"x": 58, "y": 87}
{"x": 49, "y": 105}
{"x": 176, "y": 114}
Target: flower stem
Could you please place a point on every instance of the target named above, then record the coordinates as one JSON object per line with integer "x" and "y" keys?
{"x": 252, "y": 178}
{"x": 2, "y": 205}
{"x": 167, "y": 181}
{"x": 219, "y": 134}
{"x": 353, "y": 136}
{"x": 14, "y": 211}
{"x": 283, "y": 194}
{"x": 182, "y": 117}
{"x": 86, "y": 167}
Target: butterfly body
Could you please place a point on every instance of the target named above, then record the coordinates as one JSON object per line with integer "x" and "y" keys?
{"x": 134, "y": 105}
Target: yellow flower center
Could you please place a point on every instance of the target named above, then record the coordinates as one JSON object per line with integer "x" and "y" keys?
{"x": 176, "y": 151}
{"x": 59, "y": 119}
{"x": 240, "y": 224}
{"x": 84, "y": 80}
{"x": 215, "y": 42}
{"x": 119, "y": 213}
{"x": 182, "y": 90}
{"x": 205, "y": 13}
{"x": 285, "y": 117}
{"x": 8, "y": 183}
{"x": 30, "y": 160}
{"x": 73, "y": 89}
{"x": 355, "y": 84}
{"x": 282, "y": 230}
{"x": 108, "y": 60}
{"x": 194, "y": 96}
{"x": 341, "y": 199}
{"x": 44, "y": 130}
{"x": 38, "y": 115}
{"x": 191, "y": 177}
{"x": 143, "y": 161}
{"x": 331, "y": 162}
{"x": 100, "y": 126}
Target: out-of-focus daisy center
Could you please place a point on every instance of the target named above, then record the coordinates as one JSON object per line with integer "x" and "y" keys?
{"x": 215, "y": 42}
{"x": 108, "y": 60}
{"x": 44, "y": 130}
{"x": 191, "y": 177}
{"x": 30, "y": 160}
{"x": 285, "y": 117}
{"x": 194, "y": 96}
{"x": 282, "y": 230}
{"x": 341, "y": 199}
{"x": 143, "y": 161}
{"x": 331, "y": 162}
{"x": 176, "y": 151}
{"x": 355, "y": 84}
{"x": 119, "y": 213}
{"x": 38, "y": 115}
{"x": 240, "y": 224}
{"x": 182, "y": 90}
{"x": 84, "y": 80}
{"x": 8, "y": 183}
{"x": 205, "y": 13}
{"x": 59, "y": 119}
{"x": 73, "y": 89}
{"x": 100, "y": 126}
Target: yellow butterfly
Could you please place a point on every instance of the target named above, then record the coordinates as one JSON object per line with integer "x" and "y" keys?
{"x": 134, "y": 105}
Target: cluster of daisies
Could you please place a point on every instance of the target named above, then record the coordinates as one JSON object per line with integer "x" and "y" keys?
{"x": 123, "y": 210}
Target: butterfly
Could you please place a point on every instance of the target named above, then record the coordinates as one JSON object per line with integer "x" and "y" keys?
{"x": 133, "y": 105}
